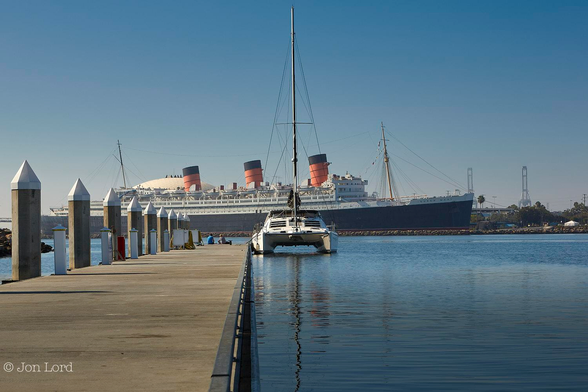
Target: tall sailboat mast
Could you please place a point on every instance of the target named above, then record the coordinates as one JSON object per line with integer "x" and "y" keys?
{"x": 294, "y": 155}
{"x": 122, "y": 166}
{"x": 387, "y": 163}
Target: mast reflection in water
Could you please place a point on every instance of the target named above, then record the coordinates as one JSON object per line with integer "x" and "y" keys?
{"x": 425, "y": 313}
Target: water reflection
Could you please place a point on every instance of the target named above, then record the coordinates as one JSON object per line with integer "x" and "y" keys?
{"x": 424, "y": 314}
{"x": 295, "y": 301}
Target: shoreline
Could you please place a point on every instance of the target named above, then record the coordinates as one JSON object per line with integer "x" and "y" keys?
{"x": 424, "y": 232}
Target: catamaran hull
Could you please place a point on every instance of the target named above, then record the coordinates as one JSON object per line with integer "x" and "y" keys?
{"x": 264, "y": 243}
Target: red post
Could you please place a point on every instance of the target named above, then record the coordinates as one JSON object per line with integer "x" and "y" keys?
{"x": 121, "y": 248}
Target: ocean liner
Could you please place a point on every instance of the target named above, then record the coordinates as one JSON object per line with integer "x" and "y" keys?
{"x": 341, "y": 199}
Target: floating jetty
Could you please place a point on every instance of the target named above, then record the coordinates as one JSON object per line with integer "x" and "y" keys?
{"x": 147, "y": 324}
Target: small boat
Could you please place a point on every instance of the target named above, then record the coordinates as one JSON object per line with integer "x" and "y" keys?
{"x": 284, "y": 228}
{"x": 293, "y": 226}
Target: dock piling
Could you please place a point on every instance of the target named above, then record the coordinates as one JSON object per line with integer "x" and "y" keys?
{"x": 153, "y": 241}
{"x": 134, "y": 221}
{"x": 26, "y": 224}
{"x": 172, "y": 222}
{"x": 78, "y": 218}
{"x": 59, "y": 250}
{"x": 106, "y": 244}
{"x": 112, "y": 220}
{"x": 161, "y": 227}
{"x": 133, "y": 243}
{"x": 180, "y": 220}
{"x": 150, "y": 223}
{"x": 166, "y": 240}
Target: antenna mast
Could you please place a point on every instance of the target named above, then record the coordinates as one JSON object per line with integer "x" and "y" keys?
{"x": 387, "y": 164}
{"x": 295, "y": 156}
{"x": 122, "y": 166}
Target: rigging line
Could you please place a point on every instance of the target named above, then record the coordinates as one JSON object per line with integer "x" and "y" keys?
{"x": 133, "y": 173}
{"x": 278, "y": 165}
{"x": 308, "y": 97}
{"x": 278, "y": 109}
{"x": 423, "y": 159}
{"x": 114, "y": 168}
{"x": 95, "y": 172}
{"x": 410, "y": 183}
{"x": 309, "y": 113}
{"x": 401, "y": 183}
{"x": 420, "y": 168}
{"x": 136, "y": 167}
{"x": 285, "y": 131}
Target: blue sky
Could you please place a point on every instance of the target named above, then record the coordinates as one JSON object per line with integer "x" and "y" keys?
{"x": 490, "y": 85}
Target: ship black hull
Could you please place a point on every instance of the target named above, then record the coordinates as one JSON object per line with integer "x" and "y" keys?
{"x": 434, "y": 216}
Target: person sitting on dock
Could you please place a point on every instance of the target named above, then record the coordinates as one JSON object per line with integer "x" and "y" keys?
{"x": 223, "y": 240}
{"x": 210, "y": 240}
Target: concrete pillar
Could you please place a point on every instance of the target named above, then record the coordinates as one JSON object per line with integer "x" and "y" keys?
{"x": 150, "y": 223}
{"x": 166, "y": 241}
{"x": 26, "y": 224}
{"x": 105, "y": 246}
{"x": 153, "y": 242}
{"x": 112, "y": 211}
{"x": 161, "y": 227}
{"x": 180, "y": 220}
{"x": 135, "y": 221}
{"x": 172, "y": 222}
{"x": 59, "y": 250}
{"x": 78, "y": 219}
{"x": 133, "y": 243}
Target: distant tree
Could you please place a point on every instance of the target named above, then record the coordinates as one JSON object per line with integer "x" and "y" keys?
{"x": 481, "y": 200}
{"x": 535, "y": 215}
{"x": 578, "y": 213}
{"x": 513, "y": 206}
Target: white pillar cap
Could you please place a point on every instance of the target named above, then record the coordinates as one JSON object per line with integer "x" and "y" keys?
{"x": 134, "y": 205}
{"x": 162, "y": 213}
{"x": 59, "y": 228}
{"x": 78, "y": 192}
{"x": 111, "y": 199}
{"x": 172, "y": 214}
{"x": 104, "y": 229}
{"x": 133, "y": 230}
{"x": 25, "y": 178}
{"x": 149, "y": 210}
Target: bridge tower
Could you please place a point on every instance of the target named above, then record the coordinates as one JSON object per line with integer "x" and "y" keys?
{"x": 525, "y": 198}
{"x": 471, "y": 184}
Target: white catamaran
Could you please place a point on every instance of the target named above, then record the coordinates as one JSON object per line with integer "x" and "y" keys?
{"x": 294, "y": 226}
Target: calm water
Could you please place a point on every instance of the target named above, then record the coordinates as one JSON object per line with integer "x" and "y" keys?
{"x": 459, "y": 313}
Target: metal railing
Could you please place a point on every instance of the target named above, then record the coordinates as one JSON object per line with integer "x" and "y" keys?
{"x": 235, "y": 366}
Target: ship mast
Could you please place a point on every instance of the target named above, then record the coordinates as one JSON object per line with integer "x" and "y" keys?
{"x": 294, "y": 155}
{"x": 122, "y": 166}
{"x": 387, "y": 163}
